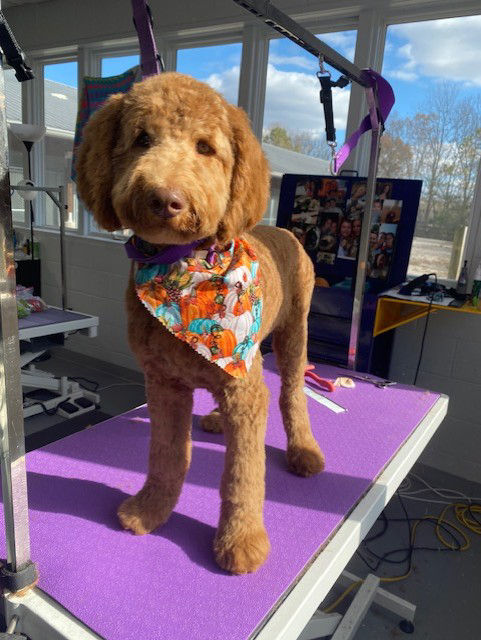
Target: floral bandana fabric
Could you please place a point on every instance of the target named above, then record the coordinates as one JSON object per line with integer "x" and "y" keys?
{"x": 215, "y": 306}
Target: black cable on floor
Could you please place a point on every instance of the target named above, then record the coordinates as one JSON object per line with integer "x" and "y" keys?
{"x": 428, "y": 315}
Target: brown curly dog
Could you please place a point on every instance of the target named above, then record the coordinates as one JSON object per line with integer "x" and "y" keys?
{"x": 172, "y": 144}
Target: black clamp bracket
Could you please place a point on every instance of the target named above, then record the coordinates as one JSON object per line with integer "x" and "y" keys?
{"x": 325, "y": 96}
{"x": 13, "y": 53}
{"x": 16, "y": 581}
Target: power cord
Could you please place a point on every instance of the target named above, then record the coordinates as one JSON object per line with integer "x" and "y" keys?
{"x": 465, "y": 514}
{"x": 428, "y": 315}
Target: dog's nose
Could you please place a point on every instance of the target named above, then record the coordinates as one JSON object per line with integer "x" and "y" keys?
{"x": 167, "y": 203}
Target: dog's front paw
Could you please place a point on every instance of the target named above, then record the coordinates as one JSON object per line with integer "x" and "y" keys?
{"x": 305, "y": 460}
{"x": 242, "y": 552}
{"x": 213, "y": 423}
{"x": 140, "y": 515}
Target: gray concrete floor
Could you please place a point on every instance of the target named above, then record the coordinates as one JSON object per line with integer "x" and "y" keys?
{"x": 445, "y": 586}
{"x": 127, "y": 390}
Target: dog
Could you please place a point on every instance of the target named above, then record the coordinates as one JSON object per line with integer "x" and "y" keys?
{"x": 175, "y": 163}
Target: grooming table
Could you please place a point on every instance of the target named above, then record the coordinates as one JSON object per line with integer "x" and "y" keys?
{"x": 166, "y": 585}
{"x": 37, "y": 333}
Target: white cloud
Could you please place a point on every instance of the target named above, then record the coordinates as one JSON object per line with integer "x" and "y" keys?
{"x": 443, "y": 49}
{"x": 406, "y": 51}
{"x": 407, "y": 76}
{"x": 292, "y": 99}
{"x": 226, "y": 82}
{"x": 293, "y": 61}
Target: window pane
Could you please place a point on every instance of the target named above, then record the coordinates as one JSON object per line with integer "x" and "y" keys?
{"x": 293, "y": 115}
{"x": 18, "y": 203}
{"x": 116, "y": 65}
{"x": 434, "y": 133}
{"x": 218, "y": 65}
{"x": 16, "y": 149}
{"x": 60, "y": 118}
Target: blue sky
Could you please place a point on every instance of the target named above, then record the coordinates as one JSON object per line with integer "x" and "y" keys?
{"x": 418, "y": 56}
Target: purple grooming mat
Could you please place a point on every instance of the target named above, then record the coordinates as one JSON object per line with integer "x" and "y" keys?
{"x": 166, "y": 585}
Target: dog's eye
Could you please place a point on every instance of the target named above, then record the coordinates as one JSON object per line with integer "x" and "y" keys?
{"x": 204, "y": 148}
{"x": 143, "y": 140}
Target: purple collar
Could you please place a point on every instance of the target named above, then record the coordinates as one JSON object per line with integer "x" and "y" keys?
{"x": 141, "y": 251}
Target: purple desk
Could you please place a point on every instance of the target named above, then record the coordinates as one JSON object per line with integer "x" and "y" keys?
{"x": 166, "y": 586}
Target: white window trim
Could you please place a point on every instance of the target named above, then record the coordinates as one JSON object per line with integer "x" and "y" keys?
{"x": 371, "y": 25}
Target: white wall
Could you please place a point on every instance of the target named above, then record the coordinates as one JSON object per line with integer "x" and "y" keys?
{"x": 97, "y": 272}
{"x": 451, "y": 364}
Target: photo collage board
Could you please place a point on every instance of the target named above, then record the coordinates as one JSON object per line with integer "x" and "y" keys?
{"x": 326, "y": 217}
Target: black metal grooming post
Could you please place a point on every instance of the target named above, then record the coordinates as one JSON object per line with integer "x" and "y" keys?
{"x": 279, "y": 21}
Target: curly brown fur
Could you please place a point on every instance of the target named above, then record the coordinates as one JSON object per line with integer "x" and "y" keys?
{"x": 172, "y": 132}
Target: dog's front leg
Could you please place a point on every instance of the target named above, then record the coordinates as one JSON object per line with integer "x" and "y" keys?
{"x": 170, "y": 408}
{"x": 241, "y": 544}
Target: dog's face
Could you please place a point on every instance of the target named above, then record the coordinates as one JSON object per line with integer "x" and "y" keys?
{"x": 174, "y": 162}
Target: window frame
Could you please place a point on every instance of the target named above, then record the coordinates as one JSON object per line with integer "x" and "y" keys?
{"x": 370, "y": 24}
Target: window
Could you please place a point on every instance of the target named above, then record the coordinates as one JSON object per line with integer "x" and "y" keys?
{"x": 16, "y": 150}
{"x": 293, "y": 116}
{"x": 60, "y": 100}
{"x": 115, "y": 65}
{"x": 434, "y": 132}
{"x": 217, "y": 65}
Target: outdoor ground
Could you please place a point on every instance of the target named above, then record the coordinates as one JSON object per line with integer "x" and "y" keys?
{"x": 430, "y": 256}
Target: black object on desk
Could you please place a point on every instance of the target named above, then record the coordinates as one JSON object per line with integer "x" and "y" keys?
{"x": 28, "y": 274}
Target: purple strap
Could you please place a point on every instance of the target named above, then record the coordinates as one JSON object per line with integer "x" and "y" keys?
{"x": 386, "y": 100}
{"x": 169, "y": 255}
{"x": 150, "y": 61}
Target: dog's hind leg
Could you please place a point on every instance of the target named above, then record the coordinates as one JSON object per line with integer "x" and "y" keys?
{"x": 170, "y": 408}
{"x": 290, "y": 346}
{"x": 213, "y": 422}
{"x": 241, "y": 544}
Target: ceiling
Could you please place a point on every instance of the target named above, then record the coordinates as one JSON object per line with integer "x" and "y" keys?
{"x": 15, "y": 3}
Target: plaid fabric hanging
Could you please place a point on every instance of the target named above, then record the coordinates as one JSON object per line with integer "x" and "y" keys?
{"x": 94, "y": 93}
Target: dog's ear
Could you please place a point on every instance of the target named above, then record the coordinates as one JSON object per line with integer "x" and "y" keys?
{"x": 250, "y": 180}
{"x": 94, "y": 163}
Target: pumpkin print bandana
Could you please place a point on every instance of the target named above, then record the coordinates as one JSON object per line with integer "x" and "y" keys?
{"x": 214, "y": 305}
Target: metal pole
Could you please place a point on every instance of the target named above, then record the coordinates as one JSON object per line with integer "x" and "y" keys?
{"x": 366, "y": 228}
{"x": 12, "y": 461}
{"x": 62, "y": 209}
{"x": 61, "y": 203}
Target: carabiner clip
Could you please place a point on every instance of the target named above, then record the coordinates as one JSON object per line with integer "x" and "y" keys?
{"x": 332, "y": 146}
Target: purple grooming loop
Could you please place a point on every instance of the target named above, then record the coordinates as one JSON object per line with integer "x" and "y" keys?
{"x": 167, "y": 581}
{"x": 150, "y": 60}
{"x": 386, "y": 101}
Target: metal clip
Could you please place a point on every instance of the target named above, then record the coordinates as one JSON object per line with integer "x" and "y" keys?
{"x": 332, "y": 146}
{"x": 322, "y": 70}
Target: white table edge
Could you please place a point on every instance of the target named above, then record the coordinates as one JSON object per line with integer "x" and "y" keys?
{"x": 287, "y": 620}
{"x": 59, "y": 327}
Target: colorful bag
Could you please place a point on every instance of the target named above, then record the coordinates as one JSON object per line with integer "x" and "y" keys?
{"x": 94, "y": 93}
